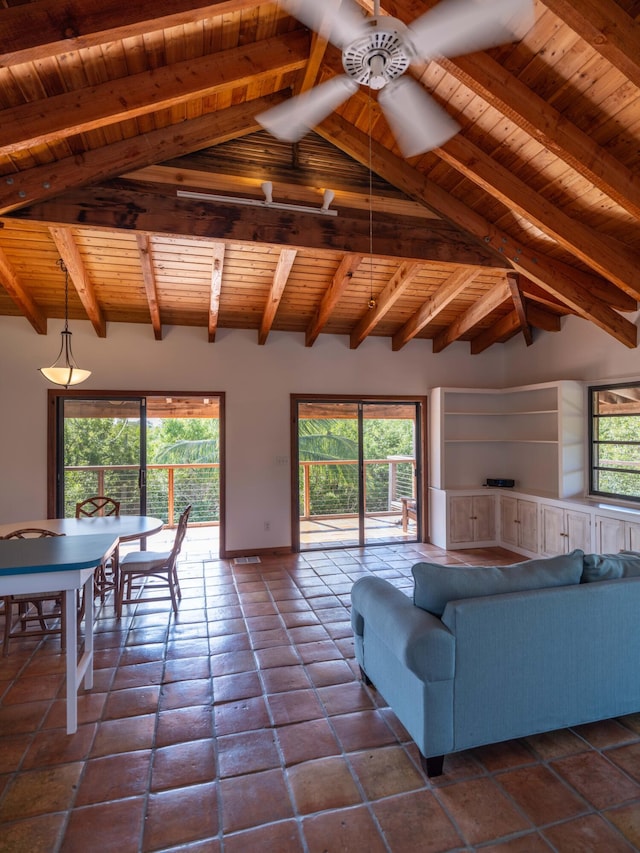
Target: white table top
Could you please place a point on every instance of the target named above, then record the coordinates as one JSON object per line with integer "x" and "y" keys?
{"x": 123, "y": 526}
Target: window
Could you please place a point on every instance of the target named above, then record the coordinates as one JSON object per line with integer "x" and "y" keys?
{"x": 614, "y": 440}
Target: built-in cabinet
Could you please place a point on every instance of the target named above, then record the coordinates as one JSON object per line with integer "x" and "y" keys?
{"x": 616, "y": 534}
{"x": 563, "y": 530}
{"x": 534, "y": 435}
{"x": 472, "y": 519}
{"x": 519, "y": 523}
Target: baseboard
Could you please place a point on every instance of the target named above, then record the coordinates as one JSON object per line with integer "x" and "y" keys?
{"x": 283, "y": 551}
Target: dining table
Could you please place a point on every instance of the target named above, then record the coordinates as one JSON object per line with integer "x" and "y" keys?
{"x": 67, "y": 564}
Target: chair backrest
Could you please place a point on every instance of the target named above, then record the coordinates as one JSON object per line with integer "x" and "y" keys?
{"x": 30, "y": 533}
{"x": 180, "y": 534}
{"x": 97, "y": 505}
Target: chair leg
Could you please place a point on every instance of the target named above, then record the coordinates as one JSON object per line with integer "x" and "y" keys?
{"x": 8, "y": 619}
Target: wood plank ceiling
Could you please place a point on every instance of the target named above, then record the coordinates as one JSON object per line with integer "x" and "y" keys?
{"x": 528, "y": 214}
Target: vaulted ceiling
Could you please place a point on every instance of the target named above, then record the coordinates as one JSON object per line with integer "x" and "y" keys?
{"x": 528, "y": 214}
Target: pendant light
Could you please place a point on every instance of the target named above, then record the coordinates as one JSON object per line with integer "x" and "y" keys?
{"x": 64, "y": 370}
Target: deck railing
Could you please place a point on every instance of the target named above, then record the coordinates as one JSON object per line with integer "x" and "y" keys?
{"x": 169, "y": 489}
{"x": 326, "y": 488}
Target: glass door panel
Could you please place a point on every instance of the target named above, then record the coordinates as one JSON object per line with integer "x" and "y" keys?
{"x": 357, "y": 473}
{"x": 102, "y": 453}
{"x": 390, "y": 459}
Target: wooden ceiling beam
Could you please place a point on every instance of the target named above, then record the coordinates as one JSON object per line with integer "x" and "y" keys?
{"x": 604, "y": 255}
{"x": 542, "y": 319}
{"x": 605, "y": 26}
{"x": 280, "y": 278}
{"x": 149, "y": 278}
{"x": 472, "y": 316}
{"x": 502, "y": 330}
{"x": 392, "y": 291}
{"x": 429, "y": 310}
{"x": 520, "y": 308}
{"x": 59, "y": 116}
{"x": 124, "y": 204}
{"x": 36, "y": 31}
{"x": 557, "y": 278}
{"x": 217, "y": 269}
{"x": 22, "y": 298}
{"x": 72, "y": 259}
{"x": 42, "y": 182}
{"x": 506, "y": 93}
{"x": 340, "y": 282}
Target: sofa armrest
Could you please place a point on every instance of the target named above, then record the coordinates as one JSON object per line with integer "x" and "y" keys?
{"x": 416, "y": 638}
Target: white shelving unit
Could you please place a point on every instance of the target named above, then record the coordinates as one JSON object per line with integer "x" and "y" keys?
{"x": 533, "y": 434}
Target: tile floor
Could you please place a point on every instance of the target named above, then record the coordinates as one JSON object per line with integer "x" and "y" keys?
{"x": 242, "y": 726}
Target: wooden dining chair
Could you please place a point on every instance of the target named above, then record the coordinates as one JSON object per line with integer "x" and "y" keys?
{"x": 106, "y": 575}
{"x": 31, "y": 604}
{"x": 138, "y": 567}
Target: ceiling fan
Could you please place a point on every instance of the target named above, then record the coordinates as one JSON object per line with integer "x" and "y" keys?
{"x": 376, "y": 52}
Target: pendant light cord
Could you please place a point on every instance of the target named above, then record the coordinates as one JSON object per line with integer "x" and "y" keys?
{"x": 64, "y": 269}
{"x": 372, "y": 302}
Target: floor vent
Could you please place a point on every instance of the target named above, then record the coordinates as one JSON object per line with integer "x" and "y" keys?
{"x": 242, "y": 561}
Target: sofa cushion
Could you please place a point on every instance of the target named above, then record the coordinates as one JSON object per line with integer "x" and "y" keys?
{"x": 435, "y": 585}
{"x": 607, "y": 567}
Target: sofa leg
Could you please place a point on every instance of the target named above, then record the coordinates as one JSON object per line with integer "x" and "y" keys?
{"x": 432, "y": 766}
{"x": 365, "y": 678}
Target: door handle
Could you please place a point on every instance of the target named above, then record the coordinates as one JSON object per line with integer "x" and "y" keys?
{"x": 142, "y": 479}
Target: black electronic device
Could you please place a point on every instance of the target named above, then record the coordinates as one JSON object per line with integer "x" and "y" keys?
{"x": 500, "y": 482}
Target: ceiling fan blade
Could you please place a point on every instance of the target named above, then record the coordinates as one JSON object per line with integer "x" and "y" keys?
{"x": 338, "y": 22}
{"x": 417, "y": 121}
{"x": 454, "y": 27}
{"x": 293, "y": 118}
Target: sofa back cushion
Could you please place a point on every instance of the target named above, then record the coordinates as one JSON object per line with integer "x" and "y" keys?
{"x": 435, "y": 585}
{"x": 608, "y": 567}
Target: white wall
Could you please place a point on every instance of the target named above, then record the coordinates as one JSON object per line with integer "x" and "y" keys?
{"x": 579, "y": 351}
{"x": 257, "y": 381}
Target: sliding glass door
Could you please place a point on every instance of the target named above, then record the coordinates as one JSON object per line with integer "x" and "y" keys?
{"x": 357, "y": 472}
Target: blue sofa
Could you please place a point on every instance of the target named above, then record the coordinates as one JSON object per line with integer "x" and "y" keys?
{"x": 487, "y": 654}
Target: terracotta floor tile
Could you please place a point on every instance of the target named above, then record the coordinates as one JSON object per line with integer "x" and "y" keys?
{"x": 114, "y": 777}
{"x": 268, "y": 639}
{"x": 180, "y": 816}
{"x": 343, "y": 830}
{"x": 248, "y": 752}
{"x": 294, "y": 707}
{"x": 13, "y": 748}
{"x": 36, "y": 835}
{"x": 132, "y": 655}
{"x": 283, "y": 837}
{"x": 555, "y": 744}
{"x": 589, "y": 834}
{"x": 275, "y": 656}
{"x": 267, "y": 793}
{"x": 307, "y": 740}
{"x": 16, "y": 719}
{"x": 138, "y": 675}
{"x": 325, "y": 673}
{"x": 38, "y": 792}
{"x": 229, "y": 643}
{"x": 597, "y": 780}
{"x": 631, "y": 721}
{"x": 229, "y": 688}
{"x": 181, "y": 694}
{"x": 243, "y": 716}
{"x": 280, "y": 679}
{"x": 230, "y": 663}
{"x": 55, "y": 746}
{"x": 132, "y": 702}
{"x": 90, "y": 709}
{"x": 606, "y": 733}
{"x": 343, "y": 698}
{"x": 184, "y": 724}
{"x": 183, "y": 764}
{"x": 628, "y": 758}
{"x": 541, "y": 795}
{"x": 416, "y": 815}
{"x": 362, "y": 730}
{"x": 326, "y": 783}
{"x": 530, "y": 843}
{"x": 501, "y": 756}
{"x": 126, "y": 735}
{"x": 481, "y": 812}
{"x": 325, "y": 650}
{"x": 627, "y": 820}
{"x": 386, "y": 771}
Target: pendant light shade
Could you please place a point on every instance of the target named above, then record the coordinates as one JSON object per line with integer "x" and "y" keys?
{"x": 64, "y": 370}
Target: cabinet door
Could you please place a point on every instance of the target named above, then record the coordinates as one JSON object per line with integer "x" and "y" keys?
{"x": 461, "y": 519}
{"x": 633, "y": 539}
{"x": 484, "y": 518}
{"x": 578, "y": 530}
{"x": 611, "y": 535}
{"x": 528, "y": 525}
{"x": 509, "y": 520}
{"x": 553, "y": 535}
